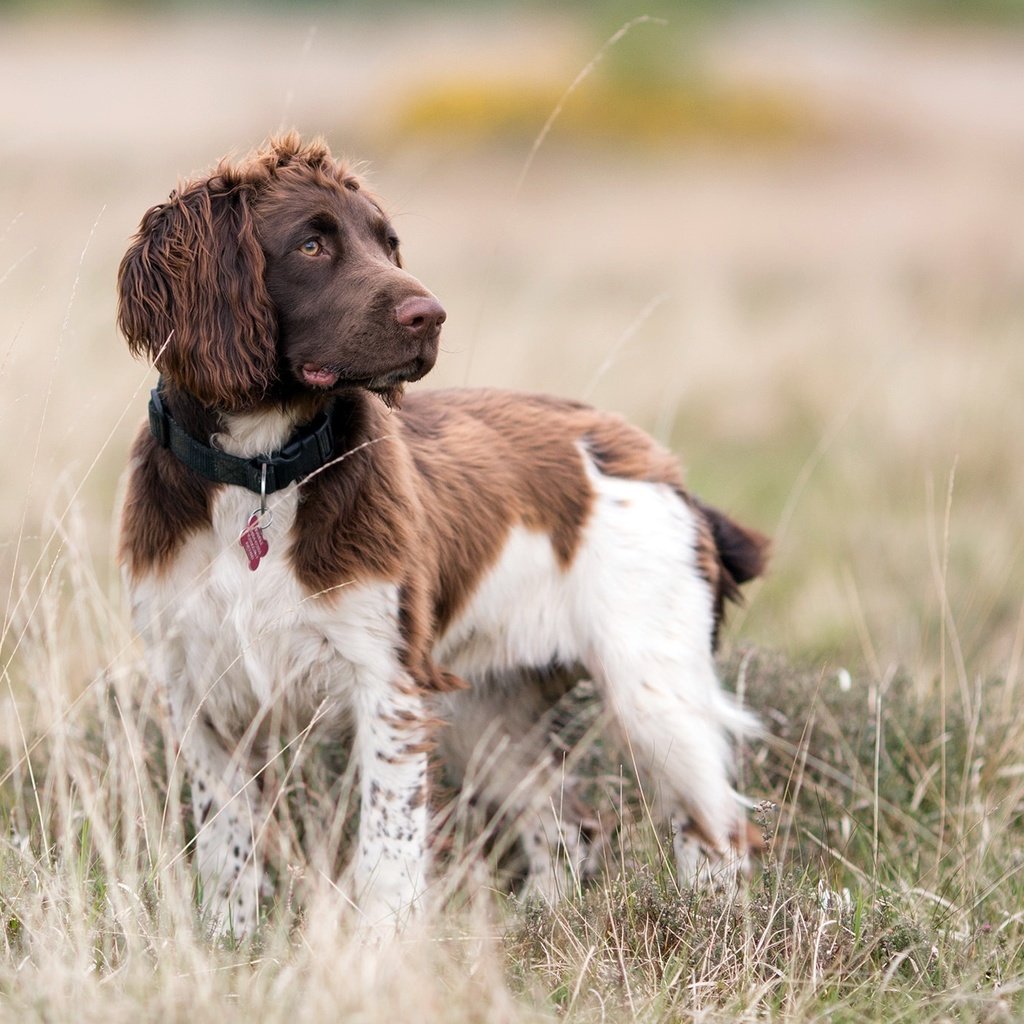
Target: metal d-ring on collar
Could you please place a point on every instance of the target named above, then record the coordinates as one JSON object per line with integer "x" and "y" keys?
{"x": 308, "y": 450}
{"x": 263, "y": 516}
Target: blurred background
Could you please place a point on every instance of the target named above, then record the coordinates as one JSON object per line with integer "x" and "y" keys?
{"x": 788, "y": 240}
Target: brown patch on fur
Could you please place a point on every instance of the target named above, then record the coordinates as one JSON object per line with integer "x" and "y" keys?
{"x": 359, "y": 519}
{"x": 165, "y": 504}
{"x": 695, "y": 827}
{"x": 421, "y": 747}
{"x": 355, "y": 519}
{"x": 487, "y": 461}
{"x": 620, "y": 449}
{"x": 745, "y": 838}
{"x": 423, "y": 727}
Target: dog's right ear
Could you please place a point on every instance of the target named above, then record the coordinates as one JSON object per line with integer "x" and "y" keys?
{"x": 191, "y": 295}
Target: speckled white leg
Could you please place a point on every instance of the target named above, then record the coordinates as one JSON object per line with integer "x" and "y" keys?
{"x": 228, "y": 817}
{"x": 390, "y": 868}
{"x": 226, "y": 806}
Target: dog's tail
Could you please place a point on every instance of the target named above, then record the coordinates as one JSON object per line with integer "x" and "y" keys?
{"x": 740, "y": 553}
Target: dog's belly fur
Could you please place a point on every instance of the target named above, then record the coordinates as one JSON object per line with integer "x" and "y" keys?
{"x": 518, "y": 616}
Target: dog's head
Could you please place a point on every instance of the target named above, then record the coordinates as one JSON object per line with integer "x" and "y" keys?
{"x": 275, "y": 276}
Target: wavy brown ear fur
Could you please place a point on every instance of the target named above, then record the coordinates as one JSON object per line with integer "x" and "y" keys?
{"x": 191, "y": 295}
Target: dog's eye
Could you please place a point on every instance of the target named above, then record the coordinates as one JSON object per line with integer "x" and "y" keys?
{"x": 392, "y": 241}
{"x": 311, "y": 247}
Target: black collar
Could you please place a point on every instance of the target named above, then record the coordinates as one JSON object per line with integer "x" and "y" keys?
{"x": 308, "y": 450}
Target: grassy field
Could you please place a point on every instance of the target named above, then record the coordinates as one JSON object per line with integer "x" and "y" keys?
{"x": 799, "y": 264}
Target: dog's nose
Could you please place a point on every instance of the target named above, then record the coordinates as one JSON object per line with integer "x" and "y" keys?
{"x": 420, "y": 314}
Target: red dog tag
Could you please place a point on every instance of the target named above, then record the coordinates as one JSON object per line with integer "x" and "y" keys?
{"x": 254, "y": 544}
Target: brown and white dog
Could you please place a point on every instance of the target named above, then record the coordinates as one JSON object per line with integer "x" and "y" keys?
{"x": 297, "y": 549}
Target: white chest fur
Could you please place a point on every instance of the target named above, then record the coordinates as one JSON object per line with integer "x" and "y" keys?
{"x": 241, "y": 641}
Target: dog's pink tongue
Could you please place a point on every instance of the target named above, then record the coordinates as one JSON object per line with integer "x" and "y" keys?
{"x": 319, "y": 376}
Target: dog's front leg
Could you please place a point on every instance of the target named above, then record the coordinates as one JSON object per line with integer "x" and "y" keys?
{"x": 226, "y": 805}
{"x": 392, "y": 741}
{"x": 229, "y": 817}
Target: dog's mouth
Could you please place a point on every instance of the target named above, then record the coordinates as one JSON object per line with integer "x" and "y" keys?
{"x": 324, "y": 378}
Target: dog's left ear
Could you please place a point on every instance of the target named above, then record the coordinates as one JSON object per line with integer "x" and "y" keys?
{"x": 191, "y": 295}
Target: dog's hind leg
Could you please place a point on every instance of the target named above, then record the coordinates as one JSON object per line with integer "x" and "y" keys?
{"x": 496, "y": 750}
{"x": 648, "y": 621}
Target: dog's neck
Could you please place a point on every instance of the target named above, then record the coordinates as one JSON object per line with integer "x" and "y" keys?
{"x": 266, "y": 428}
{"x": 261, "y": 432}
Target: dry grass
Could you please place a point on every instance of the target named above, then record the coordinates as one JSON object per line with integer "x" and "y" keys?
{"x": 827, "y": 330}
{"x": 892, "y": 887}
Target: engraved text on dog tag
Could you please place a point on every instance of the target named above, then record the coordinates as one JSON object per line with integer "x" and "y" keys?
{"x": 254, "y": 544}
